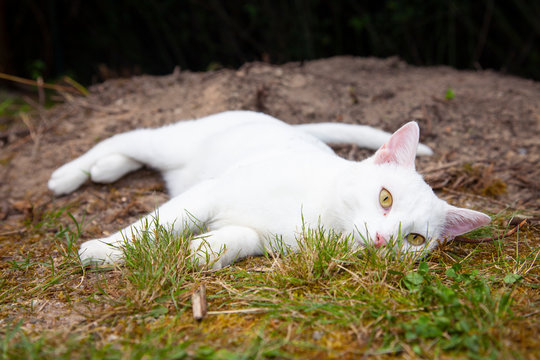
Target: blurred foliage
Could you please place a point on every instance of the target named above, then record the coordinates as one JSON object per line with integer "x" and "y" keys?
{"x": 97, "y": 39}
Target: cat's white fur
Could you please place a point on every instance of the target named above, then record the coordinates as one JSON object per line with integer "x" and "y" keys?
{"x": 250, "y": 177}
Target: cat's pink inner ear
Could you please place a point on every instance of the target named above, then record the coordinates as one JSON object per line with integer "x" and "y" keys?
{"x": 460, "y": 221}
{"x": 400, "y": 149}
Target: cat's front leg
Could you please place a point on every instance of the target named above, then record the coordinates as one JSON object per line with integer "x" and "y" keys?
{"x": 222, "y": 247}
{"x": 188, "y": 211}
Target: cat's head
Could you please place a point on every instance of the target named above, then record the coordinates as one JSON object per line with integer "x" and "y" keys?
{"x": 398, "y": 204}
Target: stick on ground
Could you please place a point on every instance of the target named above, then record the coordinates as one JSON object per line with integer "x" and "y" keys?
{"x": 199, "y": 304}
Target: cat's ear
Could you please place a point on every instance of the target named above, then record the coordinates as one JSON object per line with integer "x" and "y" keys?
{"x": 400, "y": 149}
{"x": 459, "y": 221}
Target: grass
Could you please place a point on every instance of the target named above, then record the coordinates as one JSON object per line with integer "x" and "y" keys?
{"x": 331, "y": 299}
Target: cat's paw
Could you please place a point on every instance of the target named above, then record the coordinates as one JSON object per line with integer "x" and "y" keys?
{"x": 67, "y": 179}
{"x": 204, "y": 256}
{"x": 99, "y": 251}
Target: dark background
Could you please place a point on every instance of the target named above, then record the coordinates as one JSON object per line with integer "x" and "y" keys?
{"x": 93, "y": 40}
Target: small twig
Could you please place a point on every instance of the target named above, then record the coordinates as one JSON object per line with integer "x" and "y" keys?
{"x": 531, "y": 314}
{"x": 33, "y": 133}
{"x": 261, "y": 269}
{"x": 13, "y": 232}
{"x": 228, "y": 288}
{"x": 238, "y": 311}
{"x": 492, "y": 238}
{"x": 355, "y": 276}
{"x": 45, "y": 303}
{"x": 36, "y": 105}
{"x": 76, "y": 85}
{"x": 26, "y": 120}
{"x": 480, "y": 197}
{"x": 41, "y": 91}
{"x": 451, "y": 165}
{"x": 35, "y": 83}
{"x": 79, "y": 101}
{"x": 199, "y": 304}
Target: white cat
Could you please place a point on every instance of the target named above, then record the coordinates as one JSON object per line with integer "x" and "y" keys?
{"x": 250, "y": 177}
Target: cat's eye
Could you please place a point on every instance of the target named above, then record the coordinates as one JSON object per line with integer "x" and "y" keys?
{"x": 415, "y": 239}
{"x": 385, "y": 199}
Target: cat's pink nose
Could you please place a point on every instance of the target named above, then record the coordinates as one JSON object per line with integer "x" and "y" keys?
{"x": 379, "y": 241}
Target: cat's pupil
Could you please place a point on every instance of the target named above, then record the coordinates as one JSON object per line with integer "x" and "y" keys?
{"x": 385, "y": 199}
{"x": 416, "y": 239}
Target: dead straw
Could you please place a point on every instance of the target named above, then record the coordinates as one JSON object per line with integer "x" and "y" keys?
{"x": 40, "y": 84}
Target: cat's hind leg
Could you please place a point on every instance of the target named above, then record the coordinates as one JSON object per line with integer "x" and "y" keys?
{"x": 105, "y": 169}
{"x": 106, "y": 162}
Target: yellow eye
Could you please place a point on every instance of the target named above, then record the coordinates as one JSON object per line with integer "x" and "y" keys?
{"x": 385, "y": 199}
{"x": 415, "y": 239}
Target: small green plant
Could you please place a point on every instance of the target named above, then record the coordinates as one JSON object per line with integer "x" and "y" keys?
{"x": 12, "y": 106}
{"x": 450, "y": 94}
{"x": 37, "y": 68}
{"x": 460, "y": 311}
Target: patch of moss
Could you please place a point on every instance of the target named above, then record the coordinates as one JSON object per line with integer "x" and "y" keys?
{"x": 6, "y": 160}
{"x": 481, "y": 180}
{"x": 494, "y": 188}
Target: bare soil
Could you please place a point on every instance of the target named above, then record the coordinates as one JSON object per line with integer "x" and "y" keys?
{"x": 486, "y": 138}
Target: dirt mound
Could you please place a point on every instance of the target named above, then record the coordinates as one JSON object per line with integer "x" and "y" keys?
{"x": 483, "y": 126}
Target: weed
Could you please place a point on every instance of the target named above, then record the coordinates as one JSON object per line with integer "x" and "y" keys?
{"x": 158, "y": 264}
{"x": 464, "y": 311}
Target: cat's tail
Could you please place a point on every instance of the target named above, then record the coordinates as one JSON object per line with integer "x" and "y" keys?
{"x": 361, "y": 135}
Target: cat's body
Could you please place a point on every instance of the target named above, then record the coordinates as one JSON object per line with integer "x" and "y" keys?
{"x": 249, "y": 178}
